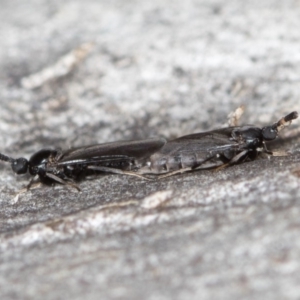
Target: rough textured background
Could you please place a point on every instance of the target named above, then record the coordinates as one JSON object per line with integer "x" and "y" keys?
{"x": 149, "y": 68}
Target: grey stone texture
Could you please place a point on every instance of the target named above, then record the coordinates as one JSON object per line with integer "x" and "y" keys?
{"x": 76, "y": 73}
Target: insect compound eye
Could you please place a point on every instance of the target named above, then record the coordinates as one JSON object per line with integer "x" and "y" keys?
{"x": 20, "y": 165}
{"x": 269, "y": 133}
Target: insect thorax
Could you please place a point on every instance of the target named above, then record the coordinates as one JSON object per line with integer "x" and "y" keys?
{"x": 39, "y": 161}
{"x": 248, "y": 137}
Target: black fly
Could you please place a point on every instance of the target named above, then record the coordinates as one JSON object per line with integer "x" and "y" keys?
{"x": 68, "y": 166}
{"x": 214, "y": 149}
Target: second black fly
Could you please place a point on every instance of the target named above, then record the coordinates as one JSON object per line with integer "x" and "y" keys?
{"x": 65, "y": 167}
{"x": 213, "y": 149}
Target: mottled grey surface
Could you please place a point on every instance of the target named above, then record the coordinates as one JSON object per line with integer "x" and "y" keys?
{"x": 152, "y": 68}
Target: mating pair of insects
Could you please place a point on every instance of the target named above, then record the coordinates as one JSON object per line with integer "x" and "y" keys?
{"x": 212, "y": 149}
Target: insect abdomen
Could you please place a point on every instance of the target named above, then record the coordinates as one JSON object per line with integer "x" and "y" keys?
{"x": 161, "y": 163}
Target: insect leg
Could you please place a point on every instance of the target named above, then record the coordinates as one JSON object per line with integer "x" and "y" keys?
{"x": 175, "y": 172}
{"x": 266, "y": 150}
{"x": 235, "y": 160}
{"x": 64, "y": 182}
{"x": 115, "y": 171}
{"x": 274, "y": 153}
{"x": 30, "y": 186}
{"x": 280, "y": 153}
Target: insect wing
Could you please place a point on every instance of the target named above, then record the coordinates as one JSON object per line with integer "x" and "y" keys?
{"x": 221, "y": 133}
{"x": 115, "y": 151}
{"x": 192, "y": 151}
{"x": 214, "y": 141}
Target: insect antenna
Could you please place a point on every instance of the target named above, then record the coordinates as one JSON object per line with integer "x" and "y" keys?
{"x": 285, "y": 121}
{"x": 6, "y": 158}
{"x": 19, "y": 165}
{"x": 271, "y": 132}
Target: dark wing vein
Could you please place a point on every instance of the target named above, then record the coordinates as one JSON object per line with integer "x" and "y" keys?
{"x": 216, "y": 141}
{"x": 122, "y": 150}
{"x": 97, "y": 160}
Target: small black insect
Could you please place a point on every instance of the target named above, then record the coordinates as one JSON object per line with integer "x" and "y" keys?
{"x": 214, "y": 149}
{"x": 68, "y": 166}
